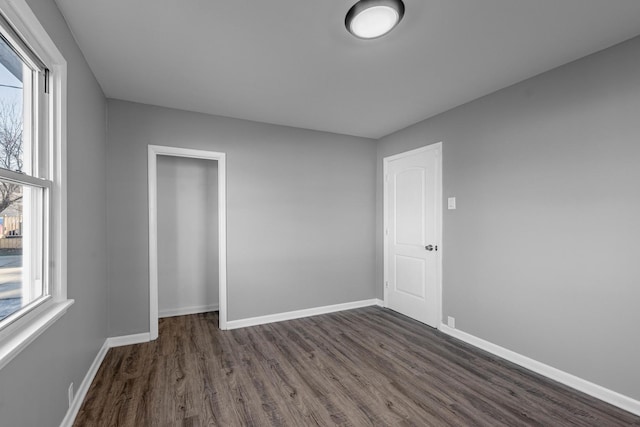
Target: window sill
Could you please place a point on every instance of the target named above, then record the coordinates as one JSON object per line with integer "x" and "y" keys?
{"x": 26, "y": 330}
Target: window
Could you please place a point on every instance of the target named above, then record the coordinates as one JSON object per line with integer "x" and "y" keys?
{"x": 32, "y": 187}
{"x": 25, "y": 182}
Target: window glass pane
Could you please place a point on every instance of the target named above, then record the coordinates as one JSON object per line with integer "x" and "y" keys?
{"x": 15, "y": 82}
{"x": 21, "y": 247}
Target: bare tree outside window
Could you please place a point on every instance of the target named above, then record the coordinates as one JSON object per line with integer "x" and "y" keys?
{"x": 11, "y": 150}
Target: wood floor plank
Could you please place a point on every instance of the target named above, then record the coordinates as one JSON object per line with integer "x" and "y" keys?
{"x": 364, "y": 367}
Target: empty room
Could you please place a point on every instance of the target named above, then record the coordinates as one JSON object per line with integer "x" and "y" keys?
{"x": 292, "y": 213}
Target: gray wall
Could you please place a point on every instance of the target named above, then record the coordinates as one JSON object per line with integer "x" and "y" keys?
{"x": 33, "y": 386}
{"x": 300, "y": 212}
{"x": 187, "y": 234}
{"x": 541, "y": 255}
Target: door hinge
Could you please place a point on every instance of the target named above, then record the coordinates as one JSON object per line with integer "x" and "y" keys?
{"x": 386, "y": 284}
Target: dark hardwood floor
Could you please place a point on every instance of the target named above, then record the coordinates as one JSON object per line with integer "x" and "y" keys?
{"x": 363, "y": 367}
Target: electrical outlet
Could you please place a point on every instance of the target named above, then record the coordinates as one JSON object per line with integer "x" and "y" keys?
{"x": 451, "y": 322}
{"x": 70, "y": 394}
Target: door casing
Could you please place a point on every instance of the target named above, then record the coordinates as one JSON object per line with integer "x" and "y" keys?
{"x": 153, "y": 152}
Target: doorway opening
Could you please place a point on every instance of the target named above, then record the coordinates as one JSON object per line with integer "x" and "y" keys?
{"x": 154, "y": 152}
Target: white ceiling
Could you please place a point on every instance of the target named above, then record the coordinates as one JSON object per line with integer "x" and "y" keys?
{"x": 292, "y": 62}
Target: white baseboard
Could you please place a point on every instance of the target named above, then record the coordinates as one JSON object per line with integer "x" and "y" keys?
{"x": 183, "y": 311}
{"x": 297, "y": 314}
{"x": 587, "y": 387}
{"x": 128, "y": 339}
{"x": 81, "y": 391}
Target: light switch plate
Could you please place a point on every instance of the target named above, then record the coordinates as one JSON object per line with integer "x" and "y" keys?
{"x": 451, "y": 203}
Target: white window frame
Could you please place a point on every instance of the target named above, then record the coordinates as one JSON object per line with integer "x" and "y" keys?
{"x": 20, "y": 333}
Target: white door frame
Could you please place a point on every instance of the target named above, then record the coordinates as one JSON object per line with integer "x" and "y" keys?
{"x": 153, "y": 153}
{"x": 438, "y": 253}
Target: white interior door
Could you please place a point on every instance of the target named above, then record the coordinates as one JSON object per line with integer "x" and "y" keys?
{"x": 413, "y": 187}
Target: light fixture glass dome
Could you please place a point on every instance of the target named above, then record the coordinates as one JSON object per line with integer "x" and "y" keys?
{"x": 369, "y": 19}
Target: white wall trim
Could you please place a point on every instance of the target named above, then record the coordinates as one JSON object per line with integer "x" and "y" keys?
{"x": 129, "y": 339}
{"x": 597, "y": 391}
{"x": 297, "y": 314}
{"x": 21, "y": 332}
{"x": 14, "y": 340}
{"x": 153, "y": 152}
{"x": 385, "y": 222}
{"x": 111, "y": 342}
{"x": 83, "y": 389}
{"x": 183, "y": 311}
{"x": 29, "y": 28}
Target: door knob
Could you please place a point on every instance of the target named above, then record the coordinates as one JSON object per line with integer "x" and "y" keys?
{"x": 430, "y": 247}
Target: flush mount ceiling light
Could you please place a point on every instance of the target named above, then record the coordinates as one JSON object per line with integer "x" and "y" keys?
{"x": 369, "y": 19}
